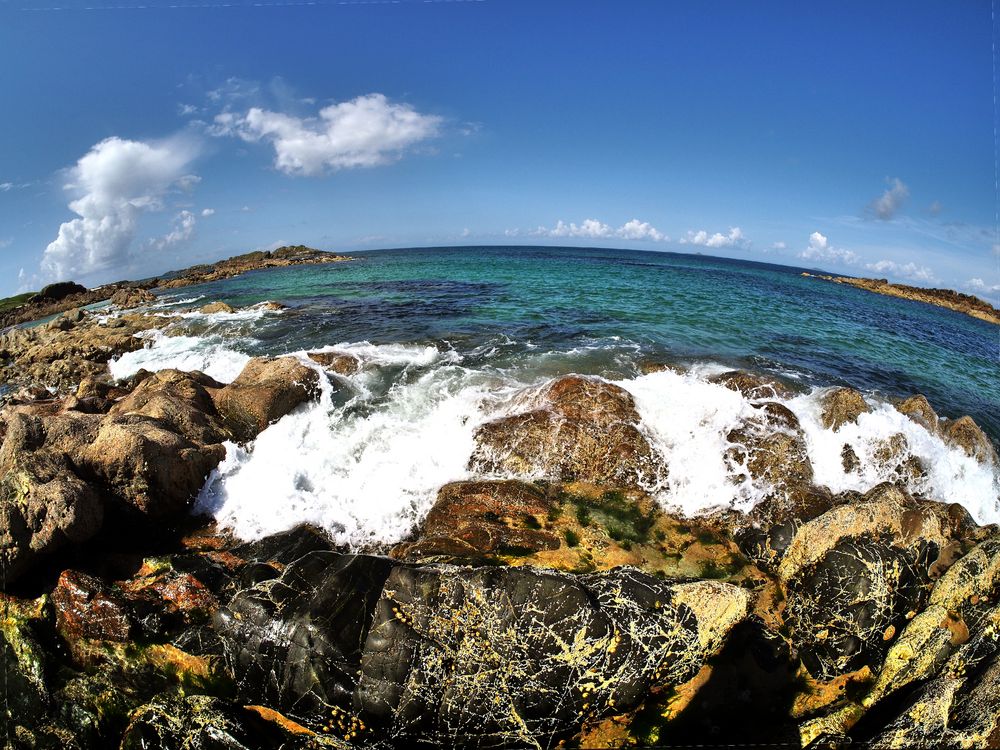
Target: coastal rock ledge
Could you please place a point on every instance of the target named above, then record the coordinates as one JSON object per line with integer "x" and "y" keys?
{"x": 548, "y": 601}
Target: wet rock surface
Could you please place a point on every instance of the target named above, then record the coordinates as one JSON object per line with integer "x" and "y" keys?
{"x": 582, "y": 429}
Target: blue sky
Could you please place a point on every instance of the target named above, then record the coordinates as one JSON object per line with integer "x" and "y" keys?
{"x": 852, "y": 137}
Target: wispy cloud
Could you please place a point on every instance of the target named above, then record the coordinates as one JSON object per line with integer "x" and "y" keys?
{"x": 367, "y": 131}
{"x": 734, "y": 238}
{"x": 978, "y": 285}
{"x": 886, "y": 205}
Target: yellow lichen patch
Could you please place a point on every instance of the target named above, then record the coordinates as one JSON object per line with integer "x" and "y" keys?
{"x": 717, "y": 606}
{"x": 611, "y": 732}
{"x": 269, "y": 714}
{"x": 187, "y": 668}
{"x": 815, "y": 539}
{"x": 685, "y": 693}
{"x": 816, "y": 695}
{"x": 836, "y": 723}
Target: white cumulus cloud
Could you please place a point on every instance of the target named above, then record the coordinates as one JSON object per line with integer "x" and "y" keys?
{"x": 886, "y": 205}
{"x": 734, "y": 238}
{"x": 116, "y": 182}
{"x": 595, "y": 229}
{"x": 367, "y": 131}
{"x": 206, "y": 212}
{"x": 909, "y": 271}
{"x": 820, "y": 249}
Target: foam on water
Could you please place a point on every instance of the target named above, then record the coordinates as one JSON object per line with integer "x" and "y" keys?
{"x": 365, "y": 473}
{"x": 687, "y": 419}
{"x": 951, "y": 475}
{"x": 206, "y": 353}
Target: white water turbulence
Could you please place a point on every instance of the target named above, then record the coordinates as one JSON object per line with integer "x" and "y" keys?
{"x": 368, "y": 470}
{"x": 951, "y": 475}
{"x": 205, "y": 353}
{"x": 686, "y": 419}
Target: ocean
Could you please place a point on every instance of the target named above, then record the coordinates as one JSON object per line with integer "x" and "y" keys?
{"x": 453, "y": 337}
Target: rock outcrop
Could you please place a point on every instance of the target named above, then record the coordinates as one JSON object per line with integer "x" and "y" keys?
{"x": 265, "y": 391}
{"x": 576, "y": 429}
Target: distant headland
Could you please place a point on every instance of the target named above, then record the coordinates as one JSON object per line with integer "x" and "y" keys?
{"x": 66, "y": 295}
{"x": 957, "y": 301}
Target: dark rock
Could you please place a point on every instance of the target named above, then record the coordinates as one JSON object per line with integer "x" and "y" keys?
{"x": 501, "y": 657}
{"x": 853, "y": 575}
{"x": 22, "y": 661}
{"x": 583, "y": 430}
{"x": 294, "y": 642}
{"x": 58, "y": 291}
{"x": 265, "y": 391}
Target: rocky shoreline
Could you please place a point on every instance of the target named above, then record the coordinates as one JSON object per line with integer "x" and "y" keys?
{"x": 63, "y": 296}
{"x": 967, "y": 304}
{"x": 569, "y": 612}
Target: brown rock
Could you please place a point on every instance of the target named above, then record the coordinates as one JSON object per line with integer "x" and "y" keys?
{"x": 44, "y": 507}
{"x": 338, "y": 362}
{"x": 86, "y": 608}
{"x": 265, "y": 391}
{"x": 584, "y": 430}
{"x": 485, "y": 518}
{"x": 967, "y": 435}
{"x": 752, "y": 385}
{"x": 216, "y": 307}
{"x": 147, "y": 466}
{"x": 842, "y": 405}
{"x": 918, "y": 409}
{"x": 126, "y": 298}
{"x": 181, "y": 401}
{"x": 273, "y": 305}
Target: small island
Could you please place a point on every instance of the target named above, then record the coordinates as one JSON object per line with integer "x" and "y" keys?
{"x": 959, "y": 302}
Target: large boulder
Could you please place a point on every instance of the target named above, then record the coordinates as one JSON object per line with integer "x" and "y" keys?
{"x": 265, "y": 391}
{"x": 854, "y": 575}
{"x": 919, "y": 409}
{"x": 148, "y": 467}
{"x": 179, "y": 400}
{"x": 294, "y": 642}
{"x": 44, "y": 506}
{"x": 57, "y": 291}
{"x": 501, "y": 657}
{"x": 579, "y": 429}
{"x": 216, "y": 307}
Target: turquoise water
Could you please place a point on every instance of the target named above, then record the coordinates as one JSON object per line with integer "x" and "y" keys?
{"x": 614, "y": 309}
